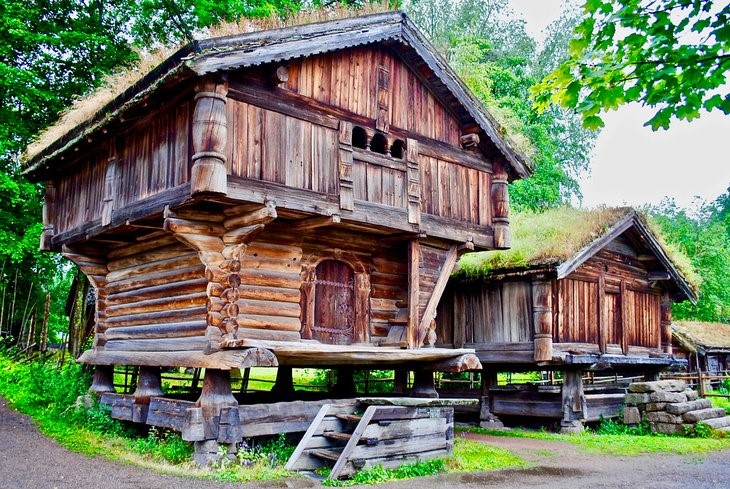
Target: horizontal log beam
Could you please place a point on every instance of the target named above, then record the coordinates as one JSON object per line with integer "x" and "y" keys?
{"x": 222, "y": 360}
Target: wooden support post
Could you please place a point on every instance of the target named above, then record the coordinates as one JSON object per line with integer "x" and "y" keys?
{"x": 382, "y": 110}
{"x": 603, "y": 327}
{"x": 414, "y": 182}
{"x": 107, "y": 206}
{"x": 542, "y": 313}
{"x": 429, "y": 314}
{"x": 284, "y": 384}
{"x": 500, "y": 206}
{"x": 486, "y": 418}
{"x": 103, "y": 380}
{"x": 666, "y": 324}
{"x": 149, "y": 384}
{"x": 414, "y": 263}
{"x": 573, "y": 402}
{"x": 345, "y": 385}
{"x": 400, "y": 381}
{"x": 215, "y": 396}
{"x": 624, "y": 319}
{"x": 210, "y": 131}
{"x": 423, "y": 385}
{"x": 49, "y": 216}
{"x": 347, "y": 195}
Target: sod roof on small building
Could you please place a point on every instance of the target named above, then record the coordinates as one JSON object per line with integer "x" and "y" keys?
{"x": 562, "y": 239}
{"x": 703, "y": 335}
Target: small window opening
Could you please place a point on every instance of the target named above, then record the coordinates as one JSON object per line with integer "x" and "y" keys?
{"x": 396, "y": 150}
{"x": 359, "y": 137}
{"x": 378, "y": 144}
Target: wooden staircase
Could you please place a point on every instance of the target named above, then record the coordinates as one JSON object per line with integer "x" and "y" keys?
{"x": 385, "y": 435}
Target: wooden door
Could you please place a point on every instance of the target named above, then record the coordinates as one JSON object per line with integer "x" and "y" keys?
{"x": 334, "y": 303}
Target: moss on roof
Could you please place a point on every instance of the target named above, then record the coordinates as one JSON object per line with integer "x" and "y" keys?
{"x": 544, "y": 239}
{"x": 549, "y": 238}
{"x": 706, "y": 335}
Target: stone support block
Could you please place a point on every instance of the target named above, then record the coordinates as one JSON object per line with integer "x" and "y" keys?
{"x": 670, "y": 428}
{"x": 666, "y": 396}
{"x": 656, "y": 406}
{"x": 659, "y": 385}
{"x": 691, "y": 394}
{"x": 685, "y": 407}
{"x": 633, "y": 398}
{"x": 703, "y": 414}
{"x": 632, "y": 415}
{"x": 663, "y": 417}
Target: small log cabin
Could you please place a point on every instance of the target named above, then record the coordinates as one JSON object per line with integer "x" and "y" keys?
{"x": 705, "y": 346}
{"x": 580, "y": 290}
{"x": 295, "y": 197}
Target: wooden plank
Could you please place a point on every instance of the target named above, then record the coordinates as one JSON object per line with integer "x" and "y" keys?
{"x": 414, "y": 257}
{"x": 314, "y": 425}
{"x": 352, "y": 444}
{"x": 151, "y": 331}
{"x": 222, "y": 360}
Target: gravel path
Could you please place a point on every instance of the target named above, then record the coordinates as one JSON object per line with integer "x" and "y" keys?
{"x": 30, "y": 460}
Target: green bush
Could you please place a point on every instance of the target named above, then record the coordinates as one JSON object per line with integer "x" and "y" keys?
{"x": 164, "y": 445}
{"x": 611, "y": 427}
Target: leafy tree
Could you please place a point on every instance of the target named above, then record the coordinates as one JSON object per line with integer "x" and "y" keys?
{"x": 489, "y": 48}
{"x": 705, "y": 238}
{"x": 52, "y": 51}
{"x": 673, "y": 55}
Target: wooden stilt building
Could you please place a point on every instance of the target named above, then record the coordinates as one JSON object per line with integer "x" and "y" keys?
{"x": 295, "y": 197}
{"x": 580, "y": 291}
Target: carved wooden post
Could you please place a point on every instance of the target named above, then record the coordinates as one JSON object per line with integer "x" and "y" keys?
{"x": 149, "y": 384}
{"x": 666, "y": 324}
{"x": 347, "y": 196}
{"x": 423, "y": 385}
{"x": 103, "y": 380}
{"x": 362, "y": 308}
{"x": 542, "y": 313}
{"x": 215, "y": 396}
{"x": 414, "y": 263}
{"x": 500, "y": 204}
{"x": 573, "y": 402}
{"x": 414, "y": 182}
{"x": 307, "y": 300}
{"x": 107, "y": 206}
{"x": 382, "y": 111}
{"x": 210, "y": 131}
{"x": 49, "y": 216}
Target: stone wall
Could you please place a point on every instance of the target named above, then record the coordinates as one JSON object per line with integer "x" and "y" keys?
{"x": 669, "y": 406}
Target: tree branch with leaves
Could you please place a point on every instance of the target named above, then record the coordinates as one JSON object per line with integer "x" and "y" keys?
{"x": 672, "y": 55}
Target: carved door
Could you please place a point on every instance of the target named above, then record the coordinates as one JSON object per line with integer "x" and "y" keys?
{"x": 334, "y": 303}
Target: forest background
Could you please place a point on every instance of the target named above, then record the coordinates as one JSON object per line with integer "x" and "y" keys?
{"x": 56, "y": 51}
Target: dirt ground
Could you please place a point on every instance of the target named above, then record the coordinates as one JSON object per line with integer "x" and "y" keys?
{"x": 30, "y": 460}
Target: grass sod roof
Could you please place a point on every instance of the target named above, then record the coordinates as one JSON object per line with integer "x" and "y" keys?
{"x": 705, "y": 335}
{"x": 552, "y": 238}
{"x": 300, "y": 37}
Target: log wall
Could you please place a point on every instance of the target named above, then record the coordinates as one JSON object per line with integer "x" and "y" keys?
{"x": 154, "y": 299}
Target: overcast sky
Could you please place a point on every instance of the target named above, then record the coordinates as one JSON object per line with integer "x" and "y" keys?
{"x": 633, "y": 165}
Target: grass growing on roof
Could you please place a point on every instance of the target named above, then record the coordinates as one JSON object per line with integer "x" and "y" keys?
{"x": 545, "y": 238}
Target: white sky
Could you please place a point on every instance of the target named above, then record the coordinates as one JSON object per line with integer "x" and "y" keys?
{"x": 631, "y": 164}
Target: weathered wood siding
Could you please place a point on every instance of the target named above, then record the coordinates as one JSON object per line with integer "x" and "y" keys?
{"x": 79, "y": 194}
{"x": 454, "y": 191}
{"x": 154, "y": 299}
{"x": 349, "y": 79}
{"x": 494, "y": 312}
{"x": 577, "y": 319}
{"x": 151, "y": 157}
{"x": 271, "y": 146}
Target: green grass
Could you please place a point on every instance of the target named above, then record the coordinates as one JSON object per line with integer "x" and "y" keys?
{"x": 621, "y": 444}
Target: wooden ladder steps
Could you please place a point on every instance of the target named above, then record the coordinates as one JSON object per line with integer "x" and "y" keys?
{"x": 350, "y": 418}
{"x": 345, "y": 437}
{"x": 332, "y": 454}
